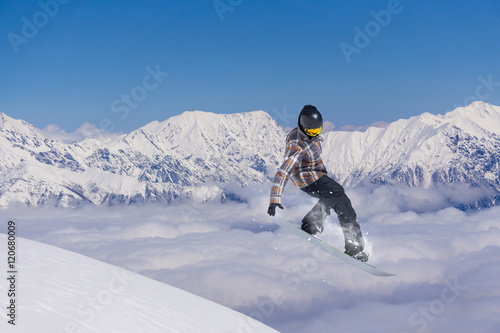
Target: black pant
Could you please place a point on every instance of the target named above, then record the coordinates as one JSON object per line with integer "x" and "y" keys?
{"x": 331, "y": 195}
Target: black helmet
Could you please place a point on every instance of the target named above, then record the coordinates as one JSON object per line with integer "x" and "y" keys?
{"x": 310, "y": 121}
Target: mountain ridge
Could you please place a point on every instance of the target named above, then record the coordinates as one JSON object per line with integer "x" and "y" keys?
{"x": 165, "y": 161}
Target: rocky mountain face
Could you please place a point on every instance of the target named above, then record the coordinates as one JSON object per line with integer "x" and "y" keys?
{"x": 196, "y": 154}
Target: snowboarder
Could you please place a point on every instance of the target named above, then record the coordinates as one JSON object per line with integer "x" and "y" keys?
{"x": 304, "y": 166}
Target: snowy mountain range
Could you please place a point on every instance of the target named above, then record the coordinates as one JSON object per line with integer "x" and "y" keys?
{"x": 196, "y": 154}
{"x": 462, "y": 146}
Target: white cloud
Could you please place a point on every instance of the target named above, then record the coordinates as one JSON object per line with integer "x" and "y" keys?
{"x": 235, "y": 255}
{"x": 86, "y": 130}
{"x": 328, "y": 126}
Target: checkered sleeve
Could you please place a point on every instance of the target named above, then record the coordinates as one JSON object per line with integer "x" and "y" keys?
{"x": 292, "y": 159}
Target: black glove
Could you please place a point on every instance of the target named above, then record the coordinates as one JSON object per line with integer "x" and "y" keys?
{"x": 272, "y": 208}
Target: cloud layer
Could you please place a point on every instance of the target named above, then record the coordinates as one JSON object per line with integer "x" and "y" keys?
{"x": 446, "y": 260}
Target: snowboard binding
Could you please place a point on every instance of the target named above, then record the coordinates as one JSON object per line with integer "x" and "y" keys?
{"x": 361, "y": 256}
{"x": 355, "y": 250}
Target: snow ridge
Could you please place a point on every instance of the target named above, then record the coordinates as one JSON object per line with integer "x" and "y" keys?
{"x": 80, "y": 294}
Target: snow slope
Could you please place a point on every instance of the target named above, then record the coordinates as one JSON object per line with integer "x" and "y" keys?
{"x": 61, "y": 291}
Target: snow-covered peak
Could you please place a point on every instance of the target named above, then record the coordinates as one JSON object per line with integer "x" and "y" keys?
{"x": 17, "y": 126}
{"x": 479, "y": 118}
{"x": 190, "y": 121}
{"x": 18, "y": 140}
{"x": 204, "y": 134}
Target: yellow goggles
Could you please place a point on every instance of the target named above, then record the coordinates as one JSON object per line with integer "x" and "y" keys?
{"x": 313, "y": 131}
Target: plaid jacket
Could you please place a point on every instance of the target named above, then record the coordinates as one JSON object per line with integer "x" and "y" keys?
{"x": 303, "y": 163}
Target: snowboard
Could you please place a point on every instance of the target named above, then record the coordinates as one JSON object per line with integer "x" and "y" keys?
{"x": 285, "y": 224}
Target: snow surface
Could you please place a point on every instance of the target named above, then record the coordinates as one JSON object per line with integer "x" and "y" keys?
{"x": 447, "y": 261}
{"x": 61, "y": 291}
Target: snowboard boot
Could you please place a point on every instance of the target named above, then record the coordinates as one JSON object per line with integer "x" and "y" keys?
{"x": 355, "y": 250}
{"x": 312, "y": 228}
{"x": 312, "y": 223}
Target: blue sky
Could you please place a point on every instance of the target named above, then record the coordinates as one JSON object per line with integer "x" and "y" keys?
{"x": 123, "y": 64}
